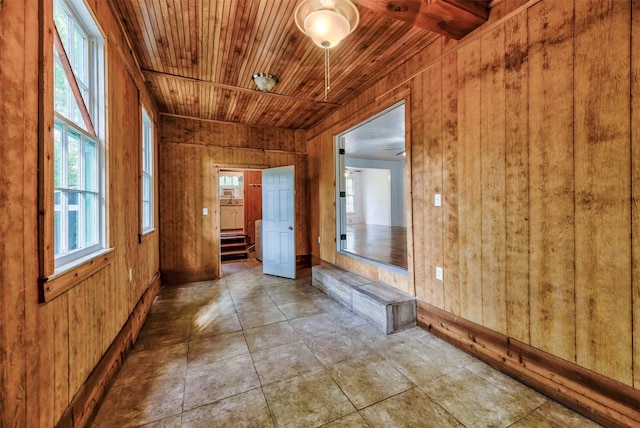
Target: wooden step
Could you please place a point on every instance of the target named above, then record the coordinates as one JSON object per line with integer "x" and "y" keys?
{"x": 385, "y": 307}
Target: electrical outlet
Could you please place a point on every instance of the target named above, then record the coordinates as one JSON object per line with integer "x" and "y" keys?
{"x": 438, "y": 200}
{"x": 130, "y": 274}
{"x": 439, "y": 273}
{"x": 205, "y": 211}
{"x": 318, "y": 239}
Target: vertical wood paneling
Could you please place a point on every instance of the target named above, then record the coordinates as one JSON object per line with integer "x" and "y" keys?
{"x": 551, "y": 184}
{"x": 470, "y": 173}
{"x": 253, "y": 201}
{"x": 43, "y": 360}
{"x": 450, "y": 186}
{"x": 517, "y": 178}
{"x": 432, "y": 119}
{"x": 635, "y": 183}
{"x": 602, "y": 188}
{"x": 492, "y": 142}
{"x": 191, "y": 151}
{"x": 418, "y": 179}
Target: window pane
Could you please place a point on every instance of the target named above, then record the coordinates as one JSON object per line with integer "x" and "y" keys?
{"x": 73, "y": 160}
{"x": 91, "y": 218}
{"x": 79, "y": 47}
{"x": 146, "y": 215}
{"x": 73, "y": 235}
{"x": 57, "y": 223}
{"x": 60, "y": 18}
{"x": 57, "y": 155}
{"x": 146, "y": 187}
{"x": 61, "y": 90}
{"x": 90, "y": 166}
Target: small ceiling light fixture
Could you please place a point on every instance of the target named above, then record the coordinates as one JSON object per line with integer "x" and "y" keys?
{"x": 327, "y": 23}
{"x": 265, "y": 81}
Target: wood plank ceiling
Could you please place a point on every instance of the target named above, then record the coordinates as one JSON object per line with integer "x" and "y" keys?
{"x": 198, "y": 57}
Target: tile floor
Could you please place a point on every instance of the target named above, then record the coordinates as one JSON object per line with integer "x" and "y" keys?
{"x": 251, "y": 350}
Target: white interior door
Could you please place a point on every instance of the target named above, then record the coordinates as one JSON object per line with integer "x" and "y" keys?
{"x": 278, "y": 221}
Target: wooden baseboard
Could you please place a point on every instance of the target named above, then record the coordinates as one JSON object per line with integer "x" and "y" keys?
{"x": 81, "y": 411}
{"x": 188, "y": 274}
{"x": 303, "y": 261}
{"x": 604, "y": 400}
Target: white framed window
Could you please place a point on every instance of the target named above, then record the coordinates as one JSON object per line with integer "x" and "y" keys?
{"x": 78, "y": 150}
{"x": 147, "y": 173}
{"x": 350, "y": 195}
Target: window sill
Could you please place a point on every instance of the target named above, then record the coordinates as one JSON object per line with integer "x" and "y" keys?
{"x": 72, "y": 275}
{"x": 143, "y": 237}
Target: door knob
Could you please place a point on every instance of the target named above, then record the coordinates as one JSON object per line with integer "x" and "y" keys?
{"x": 290, "y": 227}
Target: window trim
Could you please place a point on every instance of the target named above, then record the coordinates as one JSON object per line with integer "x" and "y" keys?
{"x": 142, "y": 231}
{"x": 56, "y": 281}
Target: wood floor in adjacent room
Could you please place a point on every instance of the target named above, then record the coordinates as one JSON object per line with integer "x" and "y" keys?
{"x": 251, "y": 350}
{"x": 384, "y": 244}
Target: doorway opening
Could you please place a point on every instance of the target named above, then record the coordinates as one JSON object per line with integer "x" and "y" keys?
{"x": 240, "y": 208}
{"x": 371, "y": 180}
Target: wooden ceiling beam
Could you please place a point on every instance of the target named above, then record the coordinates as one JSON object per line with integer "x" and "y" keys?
{"x": 153, "y": 73}
{"x": 451, "y": 18}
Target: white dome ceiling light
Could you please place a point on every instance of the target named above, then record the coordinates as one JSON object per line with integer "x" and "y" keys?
{"x": 327, "y": 23}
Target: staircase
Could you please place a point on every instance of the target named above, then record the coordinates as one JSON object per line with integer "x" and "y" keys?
{"x": 233, "y": 246}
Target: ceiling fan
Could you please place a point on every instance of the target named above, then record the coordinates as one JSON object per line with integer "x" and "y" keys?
{"x": 401, "y": 152}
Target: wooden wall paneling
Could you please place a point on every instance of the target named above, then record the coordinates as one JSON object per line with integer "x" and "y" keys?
{"x": 602, "y": 188}
{"x": 253, "y": 201}
{"x": 328, "y": 198}
{"x": 61, "y": 395}
{"x": 418, "y": 179}
{"x": 517, "y": 177}
{"x": 470, "y": 173}
{"x": 40, "y": 352}
{"x": 492, "y": 146}
{"x": 450, "y": 187}
{"x": 635, "y": 185}
{"x": 551, "y": 182}
{"x": 313, "y": 181}
{"x": 433, "y": 234}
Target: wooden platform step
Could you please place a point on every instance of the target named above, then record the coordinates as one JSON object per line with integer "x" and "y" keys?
{"x": 387, "y": 308}
{"x": 233, "y": 245}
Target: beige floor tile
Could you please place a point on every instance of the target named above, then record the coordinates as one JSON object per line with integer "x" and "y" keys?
{"x": 375, "y": 339}
{"x": 309, "y": 400}
{"x": 211, "y": 309}
{"x": 247, "y": 293}
{"x": 248, "y": 410}
{"x": 213, "y": 348}
{"x": 299, "y": 309}
{"x": 420, "y": 362}
{"x": 353, "y": 420}
{"x": 553, "y": 415}
{"x": 477, "y": 402}
{"x": 336, "y": 347}
{"x": 254, "y": 304}
{"x": 504, "y": 381}
{"x": 214, "y": 324}
{"x": 153, "y": 363}
{"x": 410, "y": 409}
{"x": 171, "y": 422}
{"x": 315, "y": 325}
{"x": 137, "y": 403}
{"x": 284, "y": 361}
{"x": 261, "y": 317}
{"x": 171, "y": 333}
{"x": 212, "y": 382}
{"x": 367, "y": 380}
{"x": 346, "y": 317}
{"x": 271, "y": 335}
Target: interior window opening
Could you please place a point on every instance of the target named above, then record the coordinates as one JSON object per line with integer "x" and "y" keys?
{"x": 371, "y": 177}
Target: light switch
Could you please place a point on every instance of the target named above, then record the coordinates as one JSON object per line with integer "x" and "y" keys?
{"x": 205, "y": 211}
{"x": 438, "y": 200}
{"x": 439, "y": 273}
